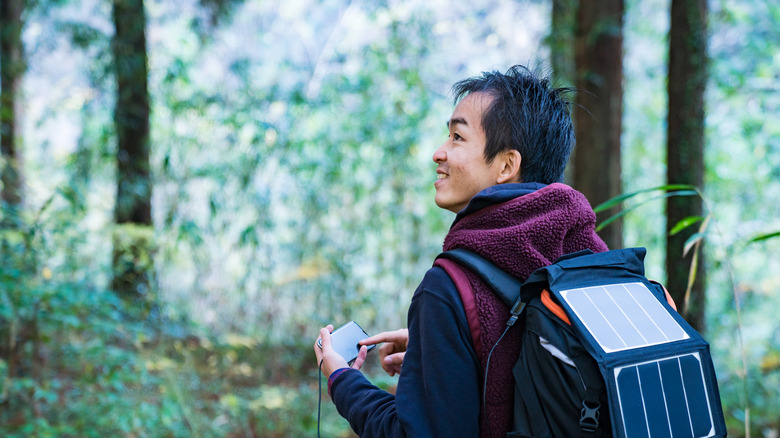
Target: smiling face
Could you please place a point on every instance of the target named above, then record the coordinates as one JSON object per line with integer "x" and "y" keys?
{"x": 462, "y": 170}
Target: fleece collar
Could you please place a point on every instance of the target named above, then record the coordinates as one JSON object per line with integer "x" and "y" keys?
{"x": 497, "y": 194}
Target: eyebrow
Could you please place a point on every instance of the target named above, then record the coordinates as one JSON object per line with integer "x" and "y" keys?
{"x": 457, "y": 120}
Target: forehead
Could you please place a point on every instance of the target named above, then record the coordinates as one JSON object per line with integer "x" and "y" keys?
{"x": 470, "y": 109}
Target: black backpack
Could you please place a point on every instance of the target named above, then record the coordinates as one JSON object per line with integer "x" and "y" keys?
{"x": 603, "y": 353}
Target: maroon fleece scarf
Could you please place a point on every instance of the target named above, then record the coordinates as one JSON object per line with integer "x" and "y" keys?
{"x": 519, "y": 236}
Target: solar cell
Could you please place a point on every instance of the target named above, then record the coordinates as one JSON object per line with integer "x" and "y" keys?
{"x": 604, "y": 311}
{"x": 660, "y": 396}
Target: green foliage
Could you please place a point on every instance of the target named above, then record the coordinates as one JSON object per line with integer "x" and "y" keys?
{"x": 765, "y": 236}
{"x": 667, "y": 191}
{"x": 133, "y": 249}
{"x": 73, "y": 363}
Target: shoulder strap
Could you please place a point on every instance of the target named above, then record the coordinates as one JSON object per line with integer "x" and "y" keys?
{"x": 458, "y": 277}
{"x": 505, "y": 285}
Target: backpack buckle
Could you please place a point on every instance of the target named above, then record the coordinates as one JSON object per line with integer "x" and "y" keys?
{"x": 589, "y": 416}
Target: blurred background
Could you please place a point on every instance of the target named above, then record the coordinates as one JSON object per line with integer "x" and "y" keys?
{"x": 192, "y": 188}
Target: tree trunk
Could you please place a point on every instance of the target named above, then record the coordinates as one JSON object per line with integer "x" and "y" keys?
{"x": 131, "y": 114}
{"x": 685, "y": 146}
{"x": 132, "y": 242}
{"x": 599, "y": 61}
{"x": 561, "y": 43}
{"x": 11, "y": 69}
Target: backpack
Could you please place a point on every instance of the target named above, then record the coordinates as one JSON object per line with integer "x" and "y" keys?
{"x": 603, "y": 353}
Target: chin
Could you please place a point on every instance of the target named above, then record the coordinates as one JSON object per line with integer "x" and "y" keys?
{"x": 444, "y": 204}
{"x": 441, "y": 204}
{"x": 448, "y": 207}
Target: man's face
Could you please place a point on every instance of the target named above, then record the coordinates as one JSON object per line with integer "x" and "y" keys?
{"x": 462, "y": 171}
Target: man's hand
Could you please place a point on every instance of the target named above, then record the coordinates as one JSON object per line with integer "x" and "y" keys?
{"x": 327, "y": 356}
{"x": 391, "y": 353}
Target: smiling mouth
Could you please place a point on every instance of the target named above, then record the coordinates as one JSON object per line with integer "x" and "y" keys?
{"x": 440, "y": 178}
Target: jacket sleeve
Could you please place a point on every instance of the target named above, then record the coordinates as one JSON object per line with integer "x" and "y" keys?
{"x": 438, "y": 389}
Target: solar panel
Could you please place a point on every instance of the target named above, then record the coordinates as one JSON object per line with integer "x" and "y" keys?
{"x": 665, "y": 395}
{"x": 662, "y": 394}
{"x": 604, "y": 311}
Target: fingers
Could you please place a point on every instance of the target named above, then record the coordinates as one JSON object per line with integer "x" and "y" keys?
{"x": 394, "y": 359}
{"x": 376, "y": 339}
{"x": 319, "y": 344}
{"x": 327, "y": 359}
{"x": 395, "y": 336}
{"x": 386, "y": 350}
{"x": 392, "y": 363}
{"x": 391, "y": 353}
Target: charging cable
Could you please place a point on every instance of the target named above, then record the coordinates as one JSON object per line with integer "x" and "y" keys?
{"x": 319, "y": 398}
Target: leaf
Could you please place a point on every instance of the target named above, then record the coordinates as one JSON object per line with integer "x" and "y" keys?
{"x": 693, "y": 240}
{"x": 685, "y": 223}
{"x": 623, "y": 212}
{"x": 68, "y": 194}
{"x": 766, "y": 236}
{"x": 606, "y": 205}
{"x": 615, "y": 217}
{"x": 691, "y": 280}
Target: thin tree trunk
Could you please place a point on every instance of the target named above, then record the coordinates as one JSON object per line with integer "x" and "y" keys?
{"x": 561, "y": 42}
{"x": 599, "y": 60}
{"x": 132, "y": 241}
{"x": 131, "y": 114}
{"x": 685, "y": 146}
{"x": 12, "y": 67}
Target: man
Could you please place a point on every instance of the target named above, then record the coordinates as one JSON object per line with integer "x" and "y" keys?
{"x": 510, "y": 137}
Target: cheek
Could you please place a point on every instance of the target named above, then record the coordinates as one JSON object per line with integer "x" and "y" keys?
{"x": 469, "y": 172}
{"x": 472, "y": 174}
{"x": 463, "y": 164}
{"x": 463, "y": 175}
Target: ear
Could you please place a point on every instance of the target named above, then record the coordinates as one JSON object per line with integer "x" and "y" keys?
{"x": 510, "y": 167}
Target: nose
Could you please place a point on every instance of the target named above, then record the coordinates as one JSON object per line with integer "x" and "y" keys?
{"x": 440, "y": 155}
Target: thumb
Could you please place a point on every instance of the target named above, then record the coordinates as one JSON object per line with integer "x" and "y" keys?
{"x": 325, "y": 336}
{"x": 392, "y": 363}
{"x": 395, "y": 358}
{"x": 360, "y": 358}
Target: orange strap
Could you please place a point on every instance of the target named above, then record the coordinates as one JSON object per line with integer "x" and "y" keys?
{"x": 668, "y": 296}
{"x": 554, "y": 307}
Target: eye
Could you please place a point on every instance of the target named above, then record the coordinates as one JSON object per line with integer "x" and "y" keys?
{"x": 456, "y": 136}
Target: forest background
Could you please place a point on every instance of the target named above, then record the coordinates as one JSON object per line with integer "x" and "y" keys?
{"x": 290, "y": 185}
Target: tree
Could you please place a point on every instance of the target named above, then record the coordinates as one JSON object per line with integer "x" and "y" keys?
{"x": 685, "y": 147}
{"x": 561, "y": 42}
{"x": 12, "y": 67}
{"x": 132, "y": 260}
{"x": 599, "y": 61}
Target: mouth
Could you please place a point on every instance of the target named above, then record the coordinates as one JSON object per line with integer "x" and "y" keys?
{"x": 440, "y": 177}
